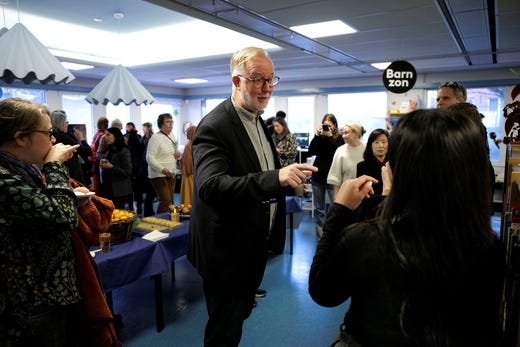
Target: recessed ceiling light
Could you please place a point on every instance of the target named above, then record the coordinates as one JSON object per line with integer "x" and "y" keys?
{"x": 75, "y": 66}
{"x": 97, "y": 19}
{"x": 191, "y": 80}
{"x": 323, "y": 29}
{"x": 381, "y": 66}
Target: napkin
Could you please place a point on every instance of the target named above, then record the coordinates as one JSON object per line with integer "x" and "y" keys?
{"x": 155, "y": 236}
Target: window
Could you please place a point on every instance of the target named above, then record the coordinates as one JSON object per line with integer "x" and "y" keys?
{"x": 79, "y": 111}
{"x": 33, "y": 95}
{"x": 149, "y": 113}
{"x": 120, "y": 111}
{"x": 300, "y": 114}
{"x": 208, "y": 105}
{"x": 490, "y": 102}
{"x": 367, "y": 109}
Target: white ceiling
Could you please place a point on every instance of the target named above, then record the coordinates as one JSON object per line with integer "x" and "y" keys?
{"x": 433, "y": 35}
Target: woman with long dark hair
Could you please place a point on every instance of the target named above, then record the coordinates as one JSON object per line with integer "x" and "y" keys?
{"x": 116, "y": 169}
{"x": 428, "y": 270}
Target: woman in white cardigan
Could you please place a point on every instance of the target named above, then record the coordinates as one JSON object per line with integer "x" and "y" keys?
{"x": 347, "y": 156}
{"x": 162, "y": 155}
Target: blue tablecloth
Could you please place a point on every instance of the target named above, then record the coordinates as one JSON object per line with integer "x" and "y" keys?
{"x": 139, "y": 258}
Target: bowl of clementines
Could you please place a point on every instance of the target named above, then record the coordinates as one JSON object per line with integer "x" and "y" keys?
{"x": 121, "y": 225}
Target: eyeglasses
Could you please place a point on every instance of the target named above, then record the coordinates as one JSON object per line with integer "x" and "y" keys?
{"x": 450, "y": 84}
{"x": 259, "y": 82}
{"x": 49, "y": 132}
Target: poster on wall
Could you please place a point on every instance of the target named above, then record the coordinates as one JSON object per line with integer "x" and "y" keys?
{"x": 399, "y": 77}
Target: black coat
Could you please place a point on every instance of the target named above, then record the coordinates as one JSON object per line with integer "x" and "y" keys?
{"x": 229, "y": 230}
{"x": 372, "y": 167}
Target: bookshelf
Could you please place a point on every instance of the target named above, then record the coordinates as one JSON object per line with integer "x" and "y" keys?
{"x": 510, "y": 236}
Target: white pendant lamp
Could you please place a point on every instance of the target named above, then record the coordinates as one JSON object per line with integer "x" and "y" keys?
{"x": 120, "y": 86}
{"x": 23, "y": 57}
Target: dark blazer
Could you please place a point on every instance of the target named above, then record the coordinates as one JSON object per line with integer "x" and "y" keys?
{"x": 229, "y": 230}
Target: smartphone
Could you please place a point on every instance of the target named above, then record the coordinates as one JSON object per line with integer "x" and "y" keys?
{"x": 80, "y": 127}
{"x": 70, "y": 128}
{"x": 325, "y": 127}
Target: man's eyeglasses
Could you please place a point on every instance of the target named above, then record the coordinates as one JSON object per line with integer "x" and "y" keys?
{"x": 450, "y": 84}
{"x": 49, "y": 132}
{"x": 259, "y": 82}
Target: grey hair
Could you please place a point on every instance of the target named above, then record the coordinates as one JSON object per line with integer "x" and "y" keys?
{"x": 58, "y": 119}
{"x": 242, "y": 56}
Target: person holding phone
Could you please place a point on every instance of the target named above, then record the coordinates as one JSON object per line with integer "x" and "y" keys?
{"x": 60, "y": 128}
{"x": 323, "y": 146}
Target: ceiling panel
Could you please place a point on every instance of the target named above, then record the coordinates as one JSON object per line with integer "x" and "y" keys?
{"x": 412, "y": 30}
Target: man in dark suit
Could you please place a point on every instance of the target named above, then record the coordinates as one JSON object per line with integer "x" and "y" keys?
{"x": 238, "y": 208}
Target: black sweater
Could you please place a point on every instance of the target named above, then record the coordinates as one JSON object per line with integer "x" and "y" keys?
{"x": 358, "y": 262}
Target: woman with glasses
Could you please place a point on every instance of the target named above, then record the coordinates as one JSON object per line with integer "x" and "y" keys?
{"x": 78, "y": 163}
{"x": 38, "y": 286}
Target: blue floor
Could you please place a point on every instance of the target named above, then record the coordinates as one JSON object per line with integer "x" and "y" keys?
{"x": 287, "y": 316}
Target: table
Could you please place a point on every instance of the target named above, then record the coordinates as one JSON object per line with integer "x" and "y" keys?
{"x": 294, "y": 213}
{"x": 138, "y": 259}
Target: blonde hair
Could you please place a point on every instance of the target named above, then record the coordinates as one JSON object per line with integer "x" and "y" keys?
{"x": 242, "y": 56}
{"x": 356, "y": 128}
{"x": 19, "y": 115}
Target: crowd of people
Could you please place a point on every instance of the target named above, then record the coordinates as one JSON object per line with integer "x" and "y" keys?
{"x": 131, "y": 169}
{"x": 406, "y": 236}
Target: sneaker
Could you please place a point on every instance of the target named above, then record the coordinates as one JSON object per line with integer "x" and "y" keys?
{"x": 260, "y": 293}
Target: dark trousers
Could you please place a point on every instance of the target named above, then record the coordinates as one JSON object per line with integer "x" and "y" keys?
{"x": 142, "y": 186}
{"x": 227, "y": 310}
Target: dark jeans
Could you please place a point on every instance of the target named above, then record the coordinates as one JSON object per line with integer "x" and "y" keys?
{"x": 227, "y": 311}
{"x": 319, "y": 193}
{"x": 143, "y": 186}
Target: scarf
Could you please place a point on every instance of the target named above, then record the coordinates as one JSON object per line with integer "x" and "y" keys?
{"x": 30, "y": 173}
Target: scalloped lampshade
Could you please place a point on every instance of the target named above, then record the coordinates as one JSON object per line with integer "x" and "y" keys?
{"x": 120, "y": 86}
{"x": 23, "y": 57}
